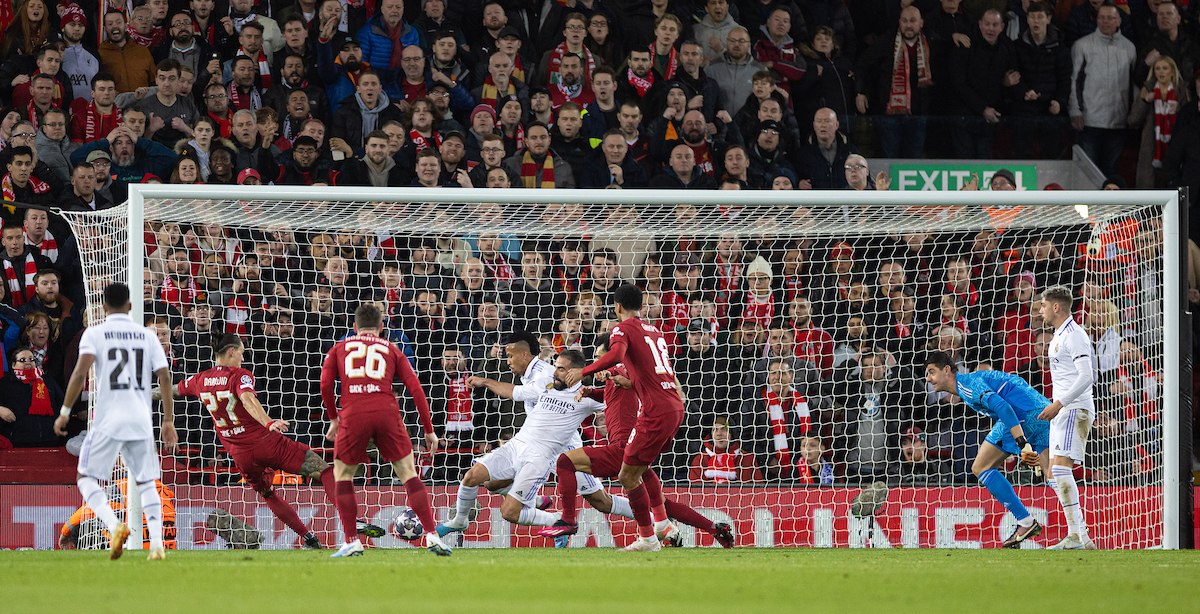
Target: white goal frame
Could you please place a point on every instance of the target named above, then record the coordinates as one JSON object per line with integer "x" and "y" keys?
{"x": 1172, "y": 249}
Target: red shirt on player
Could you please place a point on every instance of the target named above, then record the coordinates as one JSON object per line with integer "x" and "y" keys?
{"x": 367, "y": 365}
{"x": 621, "y": 407}
{"x": 647, "y": 359}
{"x": 220, "y": 389}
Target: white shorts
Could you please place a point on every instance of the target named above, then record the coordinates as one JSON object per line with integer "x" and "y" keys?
{"x": 99, "y": 453}
{"x": 1069, "y": 432}
{"x": 528, "y": 467}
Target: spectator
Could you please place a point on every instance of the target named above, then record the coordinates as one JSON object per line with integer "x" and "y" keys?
{"x": 571, "y": 85}
{"x": 499, "y": 87}
{"x": 362, "y": 114}
{"x": 812, "y": 343}
{"x": 897, "y": 87}
{"x": 567, "y": 140}
{"x": 829, "y": 80}
{"x": 537, "y": 165}
{"x": 49, "y": 63}
{"x": 682, "y": 171}
{"x": 916, "y": 463}
{"x": 132, "y": 66}
{"x": 603, "y": 41}
{"x": 30, "y": 396}
{"x": 777, "y": 51}
{"x": 822, "y": 160}
{"x": 293, "y": 77}
{"x": 19, "y": 183}
{"x": 387, "y": 34}
{"x": 20, "y": 262}
{"x": 1044, "y": 62}
{"x": 40, "y": 335}
{"x": 984, "y": 75}
{"x": 242, "y": 90}
{"x": 858, "y": 174}
{"x": 454, "y": 169}
{"x": 54, "y": 148}
{"x": 132, "y": 157}
{"x": 574, "y": 31}
{"x": 530, "y": 298}
{"x": 1101, "y": 78}
{"x": 29, "y": 29}
{"x": 375, "y": 168}
{"x": 638, "y": 83}
{"x": 722, "y": 460}
{"x": 732, "y": 71}
{"x": 66, "y": 317}
{"x": 618, "y": 167}
{"x": 340, "y": 77}
{"x": 83, "y": 195}
{"x": 1156, "y": 108}
{"x": 171, "y": 104}
{"x": 429, "y": 168}
{"x": 448, "y": 70}
{"x": 42, "y": 98}
{"x": 98, "y": 116}
{"x": 413, "y": 82}
{"x": 713, "y": 29}
{"x": 876, "y": 401}
{"x": 1168, "y": 40}
{"x": 779, "y": 415}
{"x": 1084, "y": 19}
{"x": 812, "y": 467}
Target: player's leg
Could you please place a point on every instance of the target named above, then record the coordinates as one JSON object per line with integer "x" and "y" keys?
{"x": 314, "y": 467}
{"x": 96, "y": 459}
{"x": 468, "y": 492}
{"x": 141, "y": 456}
{"x": 293, "y": 457}
{"x": 418, "y": 501}
{"x": 1068, "y": 438}
{"x": 991, "y": 455}
{"x": 658, "y": 509}
{"x": 345, "y": 500}
{"x": 639, "y": 499}
{"x": 651, "y": 435}
{"x": 519, "y": 506}
{"x": 568, "y": 485}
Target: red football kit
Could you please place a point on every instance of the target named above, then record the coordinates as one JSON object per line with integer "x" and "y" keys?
{"x": 621, "y": 407}
{"x": 256, "y": 449}
{"x": 647, "y": 359}
{"x": 367, "y": 365}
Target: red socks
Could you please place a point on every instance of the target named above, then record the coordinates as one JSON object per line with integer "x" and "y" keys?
{"x": 418, "y": 500}
{"x": 286, "y": 513}
{"x": 688, "y": 516}
{"x": 568, "y": 488}
{"x": 347, "y": 508}
{"x": 329, "y": 485}
{"x": 639, "y": 502}
{"x": 654, "y": 493}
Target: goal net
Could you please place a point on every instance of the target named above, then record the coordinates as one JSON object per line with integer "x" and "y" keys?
{"x": 797, "y": 324}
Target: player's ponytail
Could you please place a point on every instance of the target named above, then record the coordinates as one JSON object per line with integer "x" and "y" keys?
{"x": 227, "y": 341}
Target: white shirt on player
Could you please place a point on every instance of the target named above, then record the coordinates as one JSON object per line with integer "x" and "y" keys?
{"x": 1072, "y": 365}
{"x": 127, "y": 356}
{"x": 552, "y": 416}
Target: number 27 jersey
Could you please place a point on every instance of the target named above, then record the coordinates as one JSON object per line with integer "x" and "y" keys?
{"x": 648, "y": 360}
{"x": 220, "y": 390}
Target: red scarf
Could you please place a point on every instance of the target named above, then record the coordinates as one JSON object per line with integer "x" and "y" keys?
{"x": 728, "y": 275}
{"x": 21, "y": 295}
{"x": 556, "y": 56}
{"x": 1165, "y": 107}
{"x": 237, "y": 312}
{"x": 721, "y": 467}
{"x": 157, "y": 36}
{"x": 960, "y": 323}
{"x": 518, "y": 69}
{"x": 1149, "y": 389}
{"x": 640, "y": 83}
{"x": 421, "y": 142}
{"x": 56, "y": 101}
{"x": 39, "y": 402}
{"x": 900, "y": 98}
{"x": 172, "y": 294}
{"x": 48, "y": 246}
{"x": 779, "y": 421}
{"x": 252, "y": 102}
{"x": 225, "y": 125}
{"x": 792, "y": 287}
{"x": 94, "y": 126}
{"x": 529, "y": 171}
{"x": 903, "y": 330}
{"x": 458, "y": 405}
{"x": 490, "y": 92}
{"x": 759, "y": 310}
{"x": 672, "y": 61}
{"x": 31, "y": 112}
{"x": 499, "y": 268}
{"x": 396, "y": 35}
{"x": 970, "y": 297}
{"x": 393, "y": 300}
{"x": 264, "y": 67}
{"x": 519, "y": 137}
{"x": 10, "y": 192}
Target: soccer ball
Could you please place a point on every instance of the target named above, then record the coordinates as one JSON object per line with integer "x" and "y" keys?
{"x": 407, "y": 526}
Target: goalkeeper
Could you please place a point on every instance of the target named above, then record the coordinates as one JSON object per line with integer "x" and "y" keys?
{"x": 1014, "y": 405}
{"x": 68, "y": 538}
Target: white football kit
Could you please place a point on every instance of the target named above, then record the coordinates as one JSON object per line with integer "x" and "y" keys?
{"x": 552, "y": 419}
{"x": 1072, "y": 372}
{"x": 127, "y": 356}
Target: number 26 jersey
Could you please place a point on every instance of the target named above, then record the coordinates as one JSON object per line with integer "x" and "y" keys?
{"x": 366, "y": 366}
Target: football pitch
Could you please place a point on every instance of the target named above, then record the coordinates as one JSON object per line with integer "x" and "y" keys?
{"x": 544, "y": 580}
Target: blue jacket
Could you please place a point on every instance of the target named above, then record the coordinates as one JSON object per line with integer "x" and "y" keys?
{"x": 148, "y": 157}
{"x": 10, "y": 331}
{"x": 377, "y": 46}
{"x": 1001, "y": 396}
{"x": 338, "y": 83}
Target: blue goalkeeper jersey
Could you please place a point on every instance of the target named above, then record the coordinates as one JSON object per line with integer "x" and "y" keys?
{"x": 1003, "y": 396}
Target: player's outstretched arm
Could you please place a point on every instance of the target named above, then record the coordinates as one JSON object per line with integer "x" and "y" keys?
{"x": 413, "y": 384}
{"x": 169, "y": 436}
{"x": 258, "y": 412}
{"x": 503, "y": 389}
{"x": 74, "y": 389}
{"x": 329, "y": 375}
{"x": 614, "y": 355}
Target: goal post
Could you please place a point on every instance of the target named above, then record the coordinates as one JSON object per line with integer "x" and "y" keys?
{"x": 811, "y": 217}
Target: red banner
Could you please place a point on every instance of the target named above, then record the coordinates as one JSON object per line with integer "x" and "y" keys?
{"x": 963, "y": 517}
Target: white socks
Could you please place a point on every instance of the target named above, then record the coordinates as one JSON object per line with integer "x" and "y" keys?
{"x": 532, "y": 516}
{"x": 94, "y": 496}
{"x": 620, "y": 507}
{"x": 1068, "y": 495}
{"x": 152, "y": 509}
{"x": 462, "y": 506}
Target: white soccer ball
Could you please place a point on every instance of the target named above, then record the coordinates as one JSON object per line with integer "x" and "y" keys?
{"x": 407, "y": 526}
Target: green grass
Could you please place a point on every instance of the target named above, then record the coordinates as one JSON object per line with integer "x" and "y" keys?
{"x": 586, "y": 580}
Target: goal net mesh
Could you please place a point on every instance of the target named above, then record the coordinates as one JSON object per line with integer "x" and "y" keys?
{"x": 798, "y": 334}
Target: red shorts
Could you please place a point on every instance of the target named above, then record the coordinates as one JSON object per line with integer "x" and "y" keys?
{"x": 606, "y": 460}
{"x": 356, "y": 430}
{"x": 275, "y": 451}
{"x": 651, "y": 435}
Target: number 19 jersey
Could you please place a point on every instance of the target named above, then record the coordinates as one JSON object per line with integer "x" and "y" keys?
{"x": 648, "y": 360}
{"x": 127, "y": 356}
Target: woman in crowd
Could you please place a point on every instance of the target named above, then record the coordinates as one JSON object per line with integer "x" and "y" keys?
{"x": 186, "y": 171}
{"x": 204, "y": 130}
{"x": 1155, "y": 110}
{"x": 29, "y": 30}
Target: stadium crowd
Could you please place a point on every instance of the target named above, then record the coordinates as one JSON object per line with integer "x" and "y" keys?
{"x": 801, "y": 360}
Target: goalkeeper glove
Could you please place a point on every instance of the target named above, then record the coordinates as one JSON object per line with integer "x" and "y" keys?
{"x": 1022, "y": 442}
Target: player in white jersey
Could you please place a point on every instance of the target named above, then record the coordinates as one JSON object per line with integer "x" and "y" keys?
{"x": 1072, "y": 372}
{"x": 552, "y": 418}
{"x": 127, "y": 357}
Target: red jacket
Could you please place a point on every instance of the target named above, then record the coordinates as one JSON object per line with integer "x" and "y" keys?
{"x": 713, "y": 466}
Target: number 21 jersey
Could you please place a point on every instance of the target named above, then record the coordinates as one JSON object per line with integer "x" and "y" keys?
{"x": 127, "y": 356}
{"x": 648, "y": 360}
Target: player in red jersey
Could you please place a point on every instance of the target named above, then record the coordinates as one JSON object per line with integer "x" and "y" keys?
{"x": 368, "y": 366}
{"x": 620, "y": 413}
{"x": 251, "y": 437}
{"x": 648, "y": 359}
